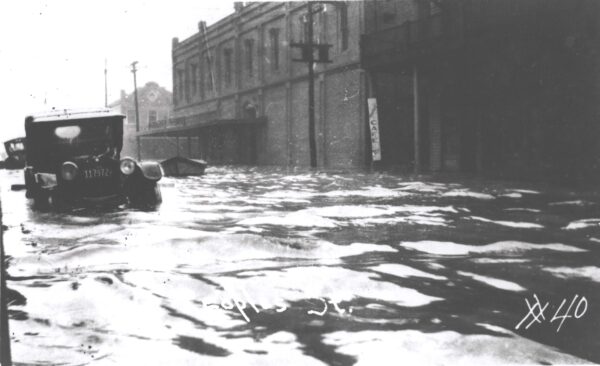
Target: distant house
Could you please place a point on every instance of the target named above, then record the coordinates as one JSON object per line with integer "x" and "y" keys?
{"x": 154, "y": 110}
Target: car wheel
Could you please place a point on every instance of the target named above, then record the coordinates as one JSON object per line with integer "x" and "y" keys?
{"x": 152, "y": 194}
{"x": 157, "y": 194}
{"x": 41, "y": 200}
{"x": 145, "y": 194}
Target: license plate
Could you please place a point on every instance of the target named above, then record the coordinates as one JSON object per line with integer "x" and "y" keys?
{"x": 97, "y": 173}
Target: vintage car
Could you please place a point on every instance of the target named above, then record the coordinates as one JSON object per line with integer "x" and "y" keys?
{"x": 15, "y": 149}
{"x": 73, "y": 159}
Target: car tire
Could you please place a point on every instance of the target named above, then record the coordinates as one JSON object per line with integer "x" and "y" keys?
{"x": 152, "y": 195}
{"x": 157, "y": 194}
{"x": 147, "y": 193}
{"x": 41, "y": 200}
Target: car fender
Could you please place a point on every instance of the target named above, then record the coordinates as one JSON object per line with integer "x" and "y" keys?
{"x": 151, "y": 170}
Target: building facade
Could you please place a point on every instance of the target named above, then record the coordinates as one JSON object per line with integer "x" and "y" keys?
{"x": 492, "y": 87}
{"x": 155, "y": 108}
{"x": 495, "y": 87}
{"x": 238, "y": 91}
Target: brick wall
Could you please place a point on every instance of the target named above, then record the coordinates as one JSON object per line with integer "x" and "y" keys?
{"x": 280, "y": 94}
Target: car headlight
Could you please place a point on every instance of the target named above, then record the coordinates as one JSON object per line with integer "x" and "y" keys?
{"x": 127, "y": 166}
{"x": 69, "y": 170}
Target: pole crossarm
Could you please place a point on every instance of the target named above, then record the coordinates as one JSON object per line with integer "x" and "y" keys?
{"x": 307, "y": 52}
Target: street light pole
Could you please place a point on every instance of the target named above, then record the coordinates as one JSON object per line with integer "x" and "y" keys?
{"x": 137, "y": 112}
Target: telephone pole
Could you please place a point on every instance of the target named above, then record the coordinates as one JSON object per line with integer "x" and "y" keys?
{"x": 312, "y": 139}
{"x": 307, "y": 55}
{"x": 417, "y": 120}
{"x": 105, "y": 85}
{"x": 137, "y": 112}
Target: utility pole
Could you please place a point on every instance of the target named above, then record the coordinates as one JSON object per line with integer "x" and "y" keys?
{"x": 137, "y": 112}
{"x": 307, "y": 52}
{"x": 417, "y": 120}
{"x": 105, "y": 85}
{"x": 312, "y": 139}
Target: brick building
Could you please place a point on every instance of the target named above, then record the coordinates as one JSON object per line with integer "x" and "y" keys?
{"x": 155, "y": 105}
{"x": 497, "y": 87}
{"x": 494, "y": 87}
{"x": 237, "y": 90}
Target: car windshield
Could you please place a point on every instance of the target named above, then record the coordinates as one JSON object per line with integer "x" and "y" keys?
{"x": 16, "y": 146}
{"x": 84, "y": 139}
{"x": 50, "y": 143}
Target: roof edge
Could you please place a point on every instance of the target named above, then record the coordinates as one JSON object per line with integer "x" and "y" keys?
{"x": 72, "y": 114}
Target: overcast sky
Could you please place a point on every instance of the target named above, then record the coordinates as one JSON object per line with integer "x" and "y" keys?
{"x": 52, "y": 52}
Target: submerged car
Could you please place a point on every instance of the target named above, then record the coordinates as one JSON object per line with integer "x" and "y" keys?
{"x": 15, "y": 149}
{"x": 73, "y": 158}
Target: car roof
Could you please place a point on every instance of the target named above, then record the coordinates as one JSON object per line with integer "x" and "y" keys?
{"x": 18, "y": 139}
{"x": 73, "y": 114}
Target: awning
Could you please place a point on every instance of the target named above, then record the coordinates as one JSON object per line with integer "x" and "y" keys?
{"x": 185, "y": 130}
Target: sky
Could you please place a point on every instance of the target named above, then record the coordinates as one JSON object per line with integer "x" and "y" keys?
{"x": 53, "y": 52}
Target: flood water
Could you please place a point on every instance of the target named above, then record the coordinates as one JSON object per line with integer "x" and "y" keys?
{"x": 261, "y": 266}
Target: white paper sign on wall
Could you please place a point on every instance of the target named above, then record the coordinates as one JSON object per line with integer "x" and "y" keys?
{"x": 374, "y": 128}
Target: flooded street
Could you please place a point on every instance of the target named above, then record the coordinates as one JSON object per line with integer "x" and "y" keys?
{"x": 257, "y": 266}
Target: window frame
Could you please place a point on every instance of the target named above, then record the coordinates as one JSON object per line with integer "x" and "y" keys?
{"x": 228, "y": 66}
{"x": 274, "y": 39}
{"x": 249, "y": 56}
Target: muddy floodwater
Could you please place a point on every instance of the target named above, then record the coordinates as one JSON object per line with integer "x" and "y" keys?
{"x": 248, "y": 266}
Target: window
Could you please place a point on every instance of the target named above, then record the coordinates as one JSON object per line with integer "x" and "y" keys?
{"x": 228, "y": 65}
{"x": 318, "y": 19}
{"x": 194, "y": 79}
{"x": 318, "y": 26}
{"x": 181, "y": 86}
{"x": 152, "y": 117}
{"x": 305, "y": 36}
{"x": 343, "y": 13}
{"x": 249, "y": 49}
{"x": 187, "y": 83}
{"x": 274, "y": 39}
{"x": 208, "y": 73}
{"x": 201, "y": 78}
